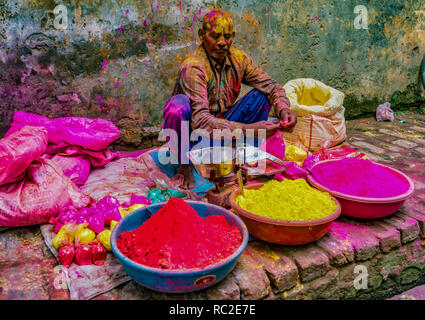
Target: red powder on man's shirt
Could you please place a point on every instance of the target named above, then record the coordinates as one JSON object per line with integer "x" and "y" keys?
{"x": 360, "y": 177}
{"x": 176, "y": 237}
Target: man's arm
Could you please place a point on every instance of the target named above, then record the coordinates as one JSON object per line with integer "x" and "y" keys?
{"x": 255, "y": 77}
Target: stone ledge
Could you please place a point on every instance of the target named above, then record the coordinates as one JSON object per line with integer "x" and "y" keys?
{"x": 312, "y": 262}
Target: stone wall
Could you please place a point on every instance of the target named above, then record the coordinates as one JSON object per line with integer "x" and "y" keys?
{"x": 118, "y": 59}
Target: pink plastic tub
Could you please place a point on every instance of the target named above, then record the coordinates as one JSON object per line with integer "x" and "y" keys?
{"x": 362, "y": 207}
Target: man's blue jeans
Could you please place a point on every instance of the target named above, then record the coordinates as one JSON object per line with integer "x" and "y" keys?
{"x": 251, "y": 108}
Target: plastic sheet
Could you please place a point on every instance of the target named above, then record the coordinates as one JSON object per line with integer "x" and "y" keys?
{"x": 119, "y": 179}
{"x": 337, "y": 152}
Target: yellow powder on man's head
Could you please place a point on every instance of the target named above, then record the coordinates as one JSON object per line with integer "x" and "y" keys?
{"x": 222, "y": 24}
{"x": 218, "y": 21}
{"x": 291, "y": 200}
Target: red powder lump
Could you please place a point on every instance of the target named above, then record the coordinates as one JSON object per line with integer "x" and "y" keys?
{"x": 176, "y": 237}
{"x": 360, "y": 177}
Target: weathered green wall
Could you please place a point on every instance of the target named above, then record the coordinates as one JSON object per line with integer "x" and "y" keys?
{"x": 60, "y": 72}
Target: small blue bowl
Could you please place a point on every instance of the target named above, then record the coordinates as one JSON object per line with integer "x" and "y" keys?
{"x": 178, "y": 281}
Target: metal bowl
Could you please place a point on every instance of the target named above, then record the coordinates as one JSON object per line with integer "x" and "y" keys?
{"x": 283, "y": 232}
{"x": 213, "y": 162}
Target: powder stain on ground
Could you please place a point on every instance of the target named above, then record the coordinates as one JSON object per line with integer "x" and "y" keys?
{"x": 291, "y": 200}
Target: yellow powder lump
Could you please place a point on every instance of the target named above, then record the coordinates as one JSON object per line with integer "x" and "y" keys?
{"x": 291, "y": 200}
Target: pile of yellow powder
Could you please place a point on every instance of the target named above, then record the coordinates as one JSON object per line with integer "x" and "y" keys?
{"x": 291, "y": 200}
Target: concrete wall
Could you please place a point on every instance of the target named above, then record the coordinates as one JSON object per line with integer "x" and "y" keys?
{"x": 117, "y": 59}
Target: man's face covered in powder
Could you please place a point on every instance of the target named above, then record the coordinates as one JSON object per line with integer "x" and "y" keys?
{"x": 217, "y": 36}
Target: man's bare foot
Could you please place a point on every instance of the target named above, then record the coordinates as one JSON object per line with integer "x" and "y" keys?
{"x": 185, "y": 175}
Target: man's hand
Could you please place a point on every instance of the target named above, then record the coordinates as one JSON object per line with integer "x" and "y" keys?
{"x": 288, "y": 120}
{"x": 269, "y": 126}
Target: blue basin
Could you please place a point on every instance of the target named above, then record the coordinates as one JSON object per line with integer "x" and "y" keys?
{"x": 178, "y": 281}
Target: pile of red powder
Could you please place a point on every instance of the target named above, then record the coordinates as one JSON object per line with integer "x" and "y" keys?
{"x": 176, "y": 237}
{"x": 360, "y": 177}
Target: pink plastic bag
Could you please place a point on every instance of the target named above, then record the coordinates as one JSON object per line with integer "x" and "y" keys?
{"x": 275, "y": 145}
{"x": 77, "y": 168}
{"x": 93, "y": 134}
{"x": 39, "y": 196}
{"x": 18, "y": 150}
{"x": 384, "y": 112}
{"x": 96, "y": 158}
{"x": 135, "y": 199}
{"x": 293, "y": 171}
{"x": 74, "y": 143}
{"x": 310, "y": 161}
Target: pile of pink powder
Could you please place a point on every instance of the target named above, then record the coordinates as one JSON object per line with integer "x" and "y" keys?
{"x": 360, "y": 177}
